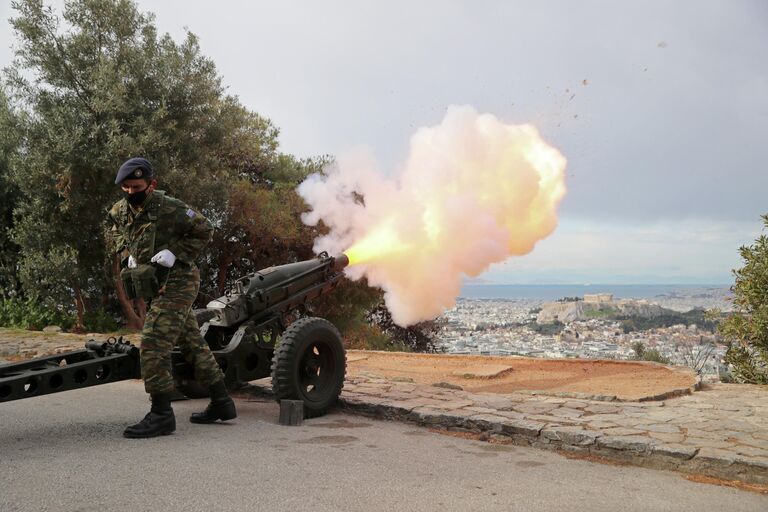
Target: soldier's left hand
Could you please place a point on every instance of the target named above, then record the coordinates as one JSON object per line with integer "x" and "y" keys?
{"x": 165, "y": 258}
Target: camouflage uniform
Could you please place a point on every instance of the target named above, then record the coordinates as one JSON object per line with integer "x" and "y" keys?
{"x": 164, "y": 222}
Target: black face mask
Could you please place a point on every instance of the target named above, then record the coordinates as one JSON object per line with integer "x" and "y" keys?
{"x": 137, "y": 198}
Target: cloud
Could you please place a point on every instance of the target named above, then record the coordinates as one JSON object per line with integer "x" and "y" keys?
{"x": 611, "y": 252}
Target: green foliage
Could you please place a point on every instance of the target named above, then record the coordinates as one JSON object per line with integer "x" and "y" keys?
{"x": 747, "y": 328}
{"x": 628, "y": 326}
{"x": 100, "y": 321}
{"x": 601, "y": 312}
{"x": 260, "y": 227}
{"x": 421, "y": 337}
{"x": 9, "y": 197}
{"x": 349, "y": 307}
{"x": 31, "y": 314}
{"x": 359, "y": 313}
{"x": 644, "y": 354}
{"x": 348, "y": 304}
{"x": 99, "y": 85}
{"x": 360, "y": 334}
{"x": 701, "y": 318}
{"x": 47, "y": 275}
{"x": 549, "y": 329}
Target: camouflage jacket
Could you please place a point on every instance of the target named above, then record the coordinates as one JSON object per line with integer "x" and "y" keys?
{"x": 163, "y": 222}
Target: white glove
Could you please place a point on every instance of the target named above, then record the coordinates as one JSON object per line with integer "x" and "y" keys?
{"x": 132, "y": 262}
{"x": 165, "y": 258}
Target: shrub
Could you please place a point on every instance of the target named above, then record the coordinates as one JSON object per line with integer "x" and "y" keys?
{"x": 601, "y": 312}
{"x": 549, "y": 329}
{"x": 99, "y": 321}
{"x": 746, "y": 329}
{"x": 31, "y": 314}
{"x": 646, "y": 354}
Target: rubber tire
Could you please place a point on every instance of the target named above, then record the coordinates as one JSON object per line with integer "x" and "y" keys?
{"x": 300, "y": 337}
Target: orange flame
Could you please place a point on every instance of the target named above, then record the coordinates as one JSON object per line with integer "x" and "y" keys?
{"x": 382, "y": 242}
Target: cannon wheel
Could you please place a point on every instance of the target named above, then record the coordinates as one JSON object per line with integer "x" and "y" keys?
{"x": 309, "y": 365}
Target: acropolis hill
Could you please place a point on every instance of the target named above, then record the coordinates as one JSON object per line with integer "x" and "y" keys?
{"x": 595, "y": 306}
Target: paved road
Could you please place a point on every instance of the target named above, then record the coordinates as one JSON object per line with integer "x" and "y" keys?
{"x": 65, "y": 453}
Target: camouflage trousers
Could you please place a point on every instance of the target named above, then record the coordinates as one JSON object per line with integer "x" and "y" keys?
{"x": 170, "y": 322}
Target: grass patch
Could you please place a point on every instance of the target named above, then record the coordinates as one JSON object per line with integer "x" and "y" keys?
{"x": 601, "y": 313}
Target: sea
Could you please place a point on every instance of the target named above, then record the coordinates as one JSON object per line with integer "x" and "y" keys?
{"x": 551, "y": 292}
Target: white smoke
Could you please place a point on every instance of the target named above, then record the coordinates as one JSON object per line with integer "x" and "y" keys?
{"x": 473, "y": 192}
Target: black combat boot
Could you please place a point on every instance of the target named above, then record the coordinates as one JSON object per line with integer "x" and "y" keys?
{"x": 159, "y": 421}
{"x": 221, "y": 407}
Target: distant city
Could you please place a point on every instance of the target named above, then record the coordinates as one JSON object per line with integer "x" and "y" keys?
{"x": 594, "y": 325}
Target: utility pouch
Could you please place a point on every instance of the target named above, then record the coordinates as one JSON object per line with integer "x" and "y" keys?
{"x": 140, "y": 282}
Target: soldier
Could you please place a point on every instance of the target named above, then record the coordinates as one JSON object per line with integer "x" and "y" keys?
{"x": 159, "y": 238}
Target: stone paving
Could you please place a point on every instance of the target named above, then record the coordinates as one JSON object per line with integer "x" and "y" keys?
{"x": 721, "y": 431}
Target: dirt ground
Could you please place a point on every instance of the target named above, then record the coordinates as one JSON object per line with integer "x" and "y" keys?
{"x": 627, "y": 380}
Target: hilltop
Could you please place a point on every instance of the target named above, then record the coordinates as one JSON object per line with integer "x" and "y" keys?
{"x": 634, "y": 313}
{"x": 599, "y": 305}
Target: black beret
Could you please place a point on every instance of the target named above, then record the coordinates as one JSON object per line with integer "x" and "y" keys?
{"x": 135, "y": 168}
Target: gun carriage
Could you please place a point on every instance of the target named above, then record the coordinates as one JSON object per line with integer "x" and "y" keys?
{"x": 249, "y": 331}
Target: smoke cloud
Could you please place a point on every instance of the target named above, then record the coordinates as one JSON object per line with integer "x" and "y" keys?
{"x": 473, "y": 191}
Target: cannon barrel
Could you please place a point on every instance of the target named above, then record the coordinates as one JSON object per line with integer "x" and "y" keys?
{"x": 340, "y": 261}
{"x": 277, "y": 289}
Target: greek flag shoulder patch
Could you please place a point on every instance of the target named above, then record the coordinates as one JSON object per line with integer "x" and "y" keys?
{"x": 191, "y": 213}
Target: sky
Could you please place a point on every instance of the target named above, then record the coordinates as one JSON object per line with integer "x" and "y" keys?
{"x": 661, "y": 108}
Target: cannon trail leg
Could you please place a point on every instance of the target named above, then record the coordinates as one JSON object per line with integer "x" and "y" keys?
{"x": 63, "y": 372}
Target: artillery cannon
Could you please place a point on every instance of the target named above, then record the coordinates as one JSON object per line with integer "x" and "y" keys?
{"x": 249, "y": 332}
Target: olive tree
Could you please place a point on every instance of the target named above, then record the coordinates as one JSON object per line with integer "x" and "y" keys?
{"x": 98, "y": 85}
{"x": 9, "y": 197}
{"x": 747, "y": 328}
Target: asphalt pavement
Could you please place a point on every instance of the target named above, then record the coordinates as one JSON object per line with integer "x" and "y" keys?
{"x": 65, "y": 452}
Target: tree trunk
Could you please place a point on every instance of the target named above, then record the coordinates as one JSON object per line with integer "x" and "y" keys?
{"x": 141, "y": 311}
{"x": 80, "y": 305}
{"x": 133, "y": 311}
{"x": 223, "y": 266}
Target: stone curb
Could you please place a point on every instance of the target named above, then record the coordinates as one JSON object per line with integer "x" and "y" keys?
{"x": 633, "y": 449}
{"x": 511, "y": 427}
{"x": 674, "y": 393}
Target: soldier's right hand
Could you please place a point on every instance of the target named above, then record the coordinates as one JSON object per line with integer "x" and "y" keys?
{"x": 132, "y": 262}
